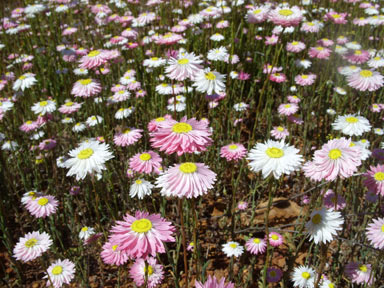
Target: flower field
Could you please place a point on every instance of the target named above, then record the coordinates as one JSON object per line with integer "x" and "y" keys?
{"x": 184, "y": 143}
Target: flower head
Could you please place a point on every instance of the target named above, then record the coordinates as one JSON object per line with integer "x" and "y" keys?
{"x": 32, "y": 246}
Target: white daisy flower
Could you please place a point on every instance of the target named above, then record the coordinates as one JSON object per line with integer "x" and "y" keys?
{"x": 60, "y": 272}
{"x": 303, "y": 63}
{"x": 25, "y": 81}
{"x": 240, "y": 106}
{"x": 37, "y": 135}
{"x": 331, "y": 111}
{"x": 232, "y": 249}
{"x": 60, "y": 161}
{"x": 32, "y": 246}
{"x": 140, "y": 188}
{"x": 217, "y": 37}
{"x": 340, "y": 49}
{"x": 378, "y": 131}
{"x": 88, "y": 158}
{"x": 353, "y": 45}
{"x": 323, "y": 225}
{"x": 376, "y": 62}
{"x": 86, "y": 232}
{"x": 67, "y": 120}
{"x": 6, "y": 105}
{"x": 209, "y": 82}
{"x": 43, "y": 107}
{"x": 218, "y": 54}
{"x": 364, "y": 152}
{"x": 303, "y": 277}
{"x": 94, "y": 120}
{"x": 274, "y": 157}
{"x": 80, "y": 71}
{"x": 178, "y": 106}
{"x": 154, "y": 62}
{"x": 123, "y": 113}
{"x": 351, "y": 125}
{"x": 340, "y": 91}
{"x": 79, "y": 127}
{"x": 9, "y": 145}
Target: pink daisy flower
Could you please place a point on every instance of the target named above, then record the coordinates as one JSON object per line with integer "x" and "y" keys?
{"x": 86, "y": 88}
{"x": 275, "y": 239}
{"x": 256, "y": 245}
{"x": 47, "y": 144}
{"x": 186, "y": 180}
{"x": 234, "y": 151}
{"x": 279, "y": 132}
{"x": 118, "y": 87}
{"x": 32, "y": 246}
{"x": 42, "y": 206}
{"x": 337, "y": 18}
{"x": 154, "y": 272}
{"x": 358, "y": 56}
{"x": 295, "y": 46}
{"x": 288, "y": 109}
{"x": 336, "y": 158}
{"x": 146, "y": 162}
{"x": 325, "y": 42}
{"x": 274, "y": 275}
{"x": 186, "y": 136}
{"x": 29, "y": 126}
{"x": 331, "y": 202}
{"x": 375, "y": 179}
{"x": 94, "y": 59}
{"x": 153, "y": 125}
{"x": 69, "y": 107}
{"x": 278, "y": 77}
{"x": 366, "y": 80}
{"x": 212, "y": 282}
{"x": 113, "y": 256}
{"x": 269, "y": 69}
{"x": 305, "y": 79}
{"x": 143, "y": 234}
{"x": 130, "y": 33}
{"x": 294, "y": 99}
{"x": 60, "y": 272}
{"x": 128, "y": 137}
{"x": 375, "y": 233}
{"x": 319, "y": 52}
{"x": 311, "y": 27}
{"x": 359, "y": 273}
{"x": 286, "y": 16}
{"x": 242, "y": 205}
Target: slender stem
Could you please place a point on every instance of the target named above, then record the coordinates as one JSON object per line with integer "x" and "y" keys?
{"x": 180, "y": 203}
{"x": 270, "y": 198}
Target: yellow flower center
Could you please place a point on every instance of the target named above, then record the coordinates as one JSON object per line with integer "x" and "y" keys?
{"x": 256, "y": 240}
{"x": 232, "y": 147}
{"x": 358, "y": 52}
{"x": 145, "y": 157}
{"x": 43, "y": 103}
{"x": 336, "y": 16}
{"x": 148, "y": 270}
{"x": 84, "y": 229}
{"x": 93, "y": 53}
{"x": 334, "y": 154}
{"x": 43, "y": 201}
{"x": 127, "y": 131}
{"x": 274, "y": 152}
{"x": 294, "y": 43}
{"x": 22, "y": 77}
{"x": 352, "y": 120}
{"x": 141, "y": 225}
{"x": 188, "y": 167}
{"x": 382, "y": 228}
{"x": 85, "y": 153}
{"x": 233, "y": 245}
{"x": 366, "y": 73}
{"x": 210, "y": 76}
{"x": 154, "y": 58}
{"x": 138, "y": 181}
{"x": 285, "y": 12}
{"x": 85, "y": 81}
{"x": 183, "y": 61}
{"x": 280, "y": 129}
{"x": 319, "y": 48}
{"x": 29, "y": 122}
{"x": 272, "y": 273}
{"x": 306, "y": 275}
{"x": 257, "y": 11}
{"x": 304, "y": 76}
{"x": 114, "y": 247}
{"x": 57, "y": 270}
{"x": 30, "y": 242}
{"x": 181, "y": 127}
{"x": 275, "y": 237}
{"x": 377, "y": 58}
{"x": 68, "y": 104}
{"x": 379, "y": 176}
{"x": 316, "y": 219}
{"x": 331, "y": 285}
{"x": 310, "y": 24}
{"x": 363, "y": 268}
{"x": 160, "y": 119}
